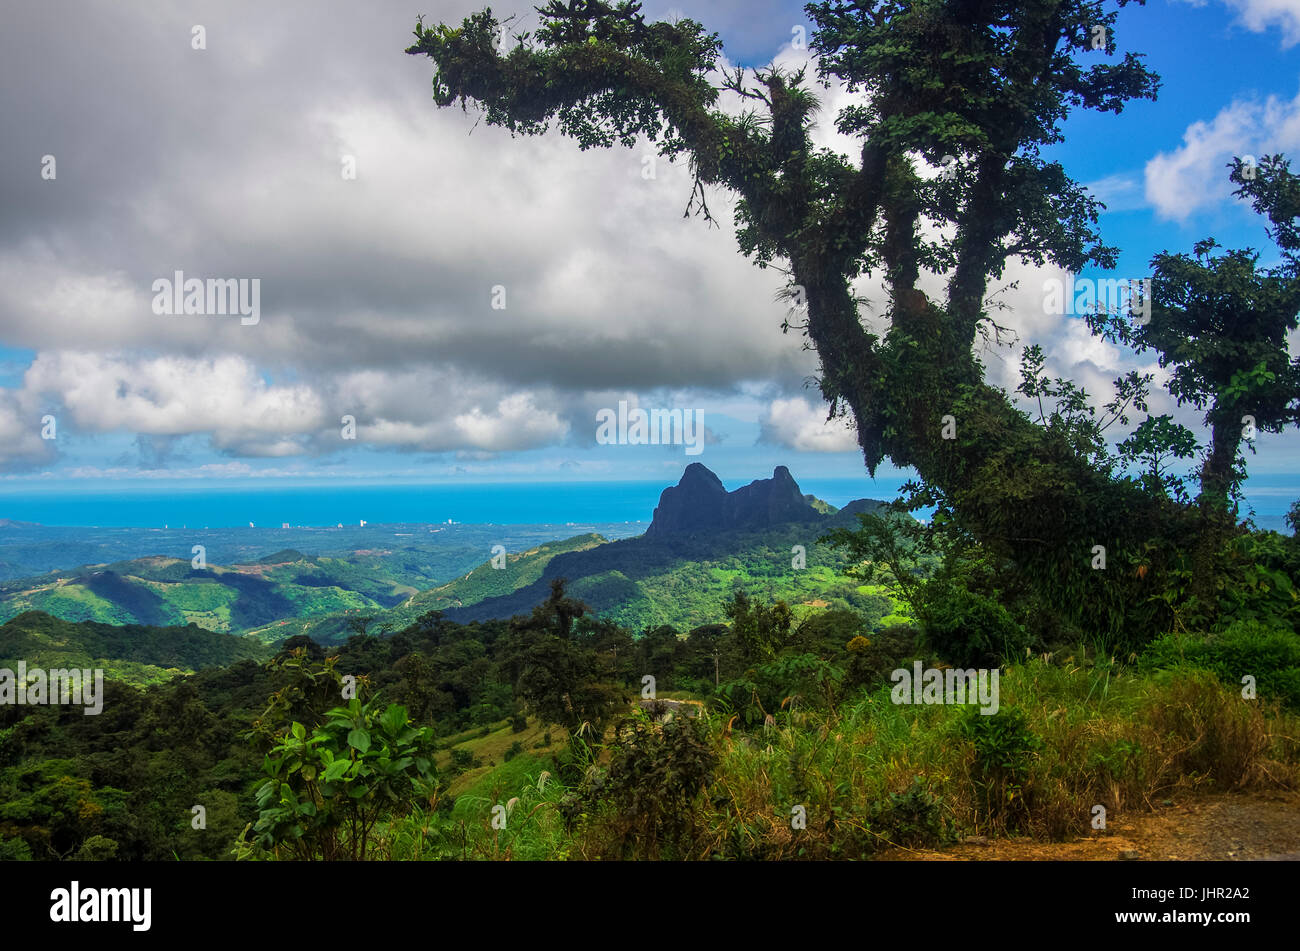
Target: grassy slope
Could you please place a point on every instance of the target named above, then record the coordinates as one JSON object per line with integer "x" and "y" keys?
{"x": 168, "y": 591}
{"x": 521, "y": 570}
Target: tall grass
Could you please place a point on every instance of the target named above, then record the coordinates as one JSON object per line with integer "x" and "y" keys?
{"x": 1101, "y": 735}
{"x": 872, "y": 774}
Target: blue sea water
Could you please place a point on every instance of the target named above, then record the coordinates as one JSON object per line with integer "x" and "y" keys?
{"x": 318, "y": 505}
{"x": 513, "y": 503}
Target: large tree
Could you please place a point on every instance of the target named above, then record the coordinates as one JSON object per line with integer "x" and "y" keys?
{"x": 1220, "y": 323}
{"x": 977, "y": 87}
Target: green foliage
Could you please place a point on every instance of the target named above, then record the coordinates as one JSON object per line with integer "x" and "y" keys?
{"x": 328, "y": 789}
{"x": 760, "y": 631}
{"x": 912, "y": 819}
{"x": 953, "y": 588}
{"x": 872, "y": 658}
{"x": 769, "y": 688}
{"x": 643, "y": 804}
{"x": 96, "y": 849}
{"x": 463, "y": 760}
{"x": 1004, "y": 751}
{"x": 1246, "y": 648}
{"x": 969, "y": 629}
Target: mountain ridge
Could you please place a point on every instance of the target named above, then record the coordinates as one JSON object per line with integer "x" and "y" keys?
{"x": 697, "y": 520}
{"x": 699, "y": 502}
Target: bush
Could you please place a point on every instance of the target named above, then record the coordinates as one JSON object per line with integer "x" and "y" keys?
{"x": 463, "y": 760}
{"x": 1005, "y": 748}
{"x": 96, "y": 849}
{"x": 910, "y": 819}
{"x": 644, "y": 803}
{"x": 515, "y": 749}
{"x": 1269, "y": 654}
{"x": 968, "y": 629}
{"x": 873, "y": 656}
{"x": 767, "y": 689}
{"x": 328, "y": 787}
{"x": 15, "y": 850}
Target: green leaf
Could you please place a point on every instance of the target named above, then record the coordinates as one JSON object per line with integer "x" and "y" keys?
{"x": 394, "y": 718}
{"x": 359, "y": 740}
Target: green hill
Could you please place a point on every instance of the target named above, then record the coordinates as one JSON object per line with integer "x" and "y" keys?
{"x": 703, "y": 544}
{"x": 521, "y": 569}
{"x": 133, "y": 653}
{"x": 235, "y": 598}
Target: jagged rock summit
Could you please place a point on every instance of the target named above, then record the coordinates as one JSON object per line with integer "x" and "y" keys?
{"x": 700, "y": 502}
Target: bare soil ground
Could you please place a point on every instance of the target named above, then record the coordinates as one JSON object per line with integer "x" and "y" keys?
{"x": 1222, "y": 827}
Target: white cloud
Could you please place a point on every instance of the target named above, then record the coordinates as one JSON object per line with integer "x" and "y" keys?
{"x": 1260, "y": 15}
{"x": 166, "y": 396}
{"x": 1119, "y": 192}
{"x": 1195, "y": 175}
{"x": 798, "y": 424}
{"x": 21, "y": 444}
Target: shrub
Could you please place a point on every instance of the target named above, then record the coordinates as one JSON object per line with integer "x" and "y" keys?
{"x": 462, "y": 760}
{"x": 1269, "y": 654}
{"x": 771, "y": 687}
{"x": 969, "y": 629}
{"x": 96, "y": 849}
{"x": 328, "y": 787}
{"x": 1004, "y": 752}
{"x": 15, "y": 850}
{"x": 910, "y": 819}
{"x": 873, "y": 656}
{"x": 644, "y": 804}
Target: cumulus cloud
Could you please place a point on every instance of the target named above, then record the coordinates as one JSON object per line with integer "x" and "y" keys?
{"x": 798, "y": 424}
{"x": 1195, "y": 175}
{"x": 1261, "y": 15}
{"x": 170, "y": 395}
{"x": 22, "y": 421}
{"x": 377, "y": 292}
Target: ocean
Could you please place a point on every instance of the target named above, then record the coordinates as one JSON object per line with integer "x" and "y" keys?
{"x": 508, "y": 503}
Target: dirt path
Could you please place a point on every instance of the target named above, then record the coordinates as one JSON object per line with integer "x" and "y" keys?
{"x": 1227, "y": 826}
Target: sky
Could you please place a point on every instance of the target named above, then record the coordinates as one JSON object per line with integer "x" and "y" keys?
{"x": 301, "y": 147}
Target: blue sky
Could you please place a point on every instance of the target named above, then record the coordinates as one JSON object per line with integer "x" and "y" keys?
{"x": 226, "y": 161}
